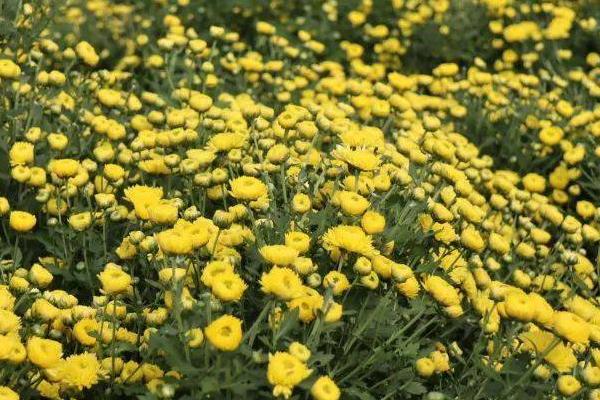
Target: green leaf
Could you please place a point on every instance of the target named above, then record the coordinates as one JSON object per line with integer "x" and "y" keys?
{"x": 359, "y": 394}
{"x": 414, "y": 388}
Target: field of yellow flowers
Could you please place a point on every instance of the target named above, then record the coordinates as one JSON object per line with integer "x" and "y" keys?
{"x": 299, "y": 199}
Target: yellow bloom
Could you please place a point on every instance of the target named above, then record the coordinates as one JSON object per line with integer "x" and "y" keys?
{"x": 7, "y": 393}
{"x": 425, "y": 367}
{"x": 571, "y": 327}
{"x": 248, "y": 188}
{"x": 409, "y": 288}
{"x": 301, "y": 203}
{"x": 9, "y": 322}
{"x": 20, "y": 173}
{"x": 9, "y": 70}
{"x": 44, "y": 310}
{"x": 174, "y": 242}
{"x": 444, "y": 233}
{"x": 585, "y": 209}
{"x": 551, "y": 135}
{"x": 356, "y": 18}
{"x": 228, "y": 286}
{"x": 21, "y": 153}
{"x": 286, "y": 371}
{"x": 82, "y": 331}
{"x": 225, "y": 333}
{"x": 325, "y": 388}
{"x": 113, "y": 172}
{"x": 162, "y": 213}
{"x": 337, "y": 281}
{"x": 37, "y": 177}
{"x": 471, "y": 239}
{"x": 517, "y": 305}
{"x": 227, "y": 141}
{"x": 441, "y": 361}
{"x": 300, "y": 351}
{"x": 568, "y": 385}
{"x": 352, "y": 203}
{"x": 143, "y": 197}
{"x": 86, "y": 52}
{"x": 298, "y": 240}
{"x": 521, "y": 31}
{"x": 198, "y": 232}
{"x": 278, "y": 153}
{"x": 281, "y": 282}
{"x": 372, "y": 222}
{"x": 131, "y": 372}
{"x": 570, "y": 224}
{"x": 4, "y": 206}
{"x": 170, "y": 275}
{"x": 200, "y": 102}
{"x": 212, "y": 269}
{"x": 534, "y": 183}
{"x": 64, "y": 168}
{"x": 155, "y": 166}
{"x": 40, "y": 276}
{"x": 279, "y": 254}
{"x": 45, "y": 353}
{"x": 333, "y": 311}
{"x": 11, "y": 349}
{"x": 110, "y": 98}
{"x": 265, "y": 28}
{"x": 22, "y": 221}
{"x": 195, "y": 337}
{"x": 126, "y": 250}
{"x": 362, "y": 159}
{"x": 350, "y": 238}
{"x": 79, "y": 371}
{"x": 203, "y": 157}
{"x": 58, "y": 141}
{"x": 591, "y": 375}
{"x": 498, "y": 243}
{"x": 307, "y": 305}
{"x": 81, "y": 221}
{"x": 114, "y": 280}
{"x": 441, "y": 291}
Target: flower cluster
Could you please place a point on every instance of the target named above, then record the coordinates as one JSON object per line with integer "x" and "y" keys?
{"x": 269, "y": 208}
